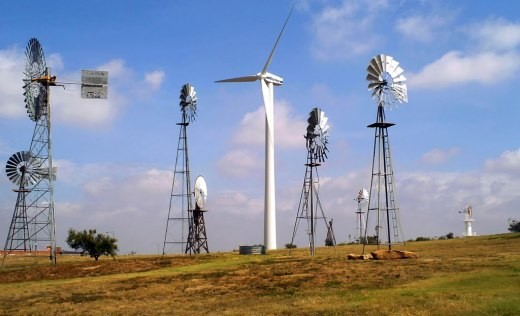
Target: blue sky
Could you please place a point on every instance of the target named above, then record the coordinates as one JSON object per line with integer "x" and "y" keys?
{"x": 455, "y": 143}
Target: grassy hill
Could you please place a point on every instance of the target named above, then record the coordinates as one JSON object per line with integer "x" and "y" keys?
{"x": 467, "y": 276}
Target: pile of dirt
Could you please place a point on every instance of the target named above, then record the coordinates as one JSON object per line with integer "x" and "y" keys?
{"x": 352, "y": 256}
{"x": 393, "y": 254}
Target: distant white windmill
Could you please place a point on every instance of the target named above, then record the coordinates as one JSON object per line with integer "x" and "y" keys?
{"x": 268, "y": 81}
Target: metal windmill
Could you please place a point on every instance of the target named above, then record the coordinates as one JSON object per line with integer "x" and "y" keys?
{"x": 197, "y": 238}
{"x": 180, "y": 211}
{"x": 361, "y": 199}
{"x": 33, "y": 223}
{"x": 310, "y": 208}
{"x": 387, "y": 83}
{"x": 468, "y": 221}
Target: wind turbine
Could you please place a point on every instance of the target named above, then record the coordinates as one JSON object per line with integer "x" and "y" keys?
{"x": 268, "y": 81}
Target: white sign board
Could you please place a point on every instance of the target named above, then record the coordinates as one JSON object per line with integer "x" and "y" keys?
{"x": 94, "y": 77}
{"x": 94, "y": 92}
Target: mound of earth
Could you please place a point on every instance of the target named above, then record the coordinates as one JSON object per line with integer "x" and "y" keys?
{"x": 352, "y": 256}
{"x": 393, "y": 254}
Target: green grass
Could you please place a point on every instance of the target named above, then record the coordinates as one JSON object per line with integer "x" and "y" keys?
{"x": 472, "y": 276}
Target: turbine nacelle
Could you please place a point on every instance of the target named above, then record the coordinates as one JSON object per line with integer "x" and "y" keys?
{"x": 272, "y": 78}
{"x": 267, "y": 76}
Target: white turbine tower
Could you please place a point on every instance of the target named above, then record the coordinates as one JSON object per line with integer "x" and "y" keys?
{"x": 268, "y": 81}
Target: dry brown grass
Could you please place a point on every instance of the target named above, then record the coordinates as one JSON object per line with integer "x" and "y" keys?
{"x": 453, "y": 277}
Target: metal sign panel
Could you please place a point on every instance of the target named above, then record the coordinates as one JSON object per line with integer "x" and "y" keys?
{"x": 94, "y": 77}
{"x": 94, "y": 92}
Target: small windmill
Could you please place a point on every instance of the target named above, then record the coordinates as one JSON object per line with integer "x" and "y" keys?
{"x": 197, "y": 238}
{"x": 24, "y": 171}
{"x": 468, "y": 221}
{"x": 179, "y": 213}
{"x": 310, "y": 205}
{"x": 362, "y": 199}
{"x": 268, "y": 81}
{"x": 387, "y": 83}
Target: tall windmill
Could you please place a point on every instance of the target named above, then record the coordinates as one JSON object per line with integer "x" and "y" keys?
{"x": 179, "y": 212}
{"x": 309, "y": 206}
{"x": 387, "y": 83}
{"x": 267, "y": 82}
{"x": 33, "y": 226}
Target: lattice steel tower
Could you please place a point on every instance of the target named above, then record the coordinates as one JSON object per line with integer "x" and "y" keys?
{"x": 387, "y": 82}
{"x": 181, "y": 205}
{"x": 33, "y": 226}
{"x": 310, "y": 205}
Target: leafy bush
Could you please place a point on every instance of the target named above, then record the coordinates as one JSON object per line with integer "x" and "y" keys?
{"x": 91, "y": 243}
{"x": 514, "y": 225}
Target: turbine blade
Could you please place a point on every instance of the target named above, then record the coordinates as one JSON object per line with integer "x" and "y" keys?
{"x": 241, "y": 79}
{"x": 264, "y": 70}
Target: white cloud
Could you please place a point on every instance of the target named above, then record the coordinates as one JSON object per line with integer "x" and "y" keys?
{"x": 496, "y": 34}
{"x": 345, "y": 30}
{"x": 234, "y": 202}
{"x": 55, "y": 61}
{"x": 154, "y": 79}
{"x": 439, "y": 156}
{"x": 11, "y": 91}
{"x": 289, "y": 129}
{"x": 422, "y": 28}
{"x": 68, "y": 107}
{"x": 494, "y": 58}
{"x": 508, "y": 162}
{"x": 239, "y": 163}
{"x": 116, "y": 69}
{"x": 458, "y": 68}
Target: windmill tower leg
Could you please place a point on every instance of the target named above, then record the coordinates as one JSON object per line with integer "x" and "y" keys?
{"x": 179, "y": 216}
{"x": 306, "y": 207}
{"x": 18, "y": 235}
{"x": 381, "y": 197}
{"x": 197, "y": 238}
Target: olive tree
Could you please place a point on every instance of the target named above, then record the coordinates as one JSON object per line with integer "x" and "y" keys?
{"x": 92, "y": 243}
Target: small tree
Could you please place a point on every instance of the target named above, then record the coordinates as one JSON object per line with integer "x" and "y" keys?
{"x": 449, "y": 236}
{"x": 91, "y": 243}
{"x": 514, "y": 225}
